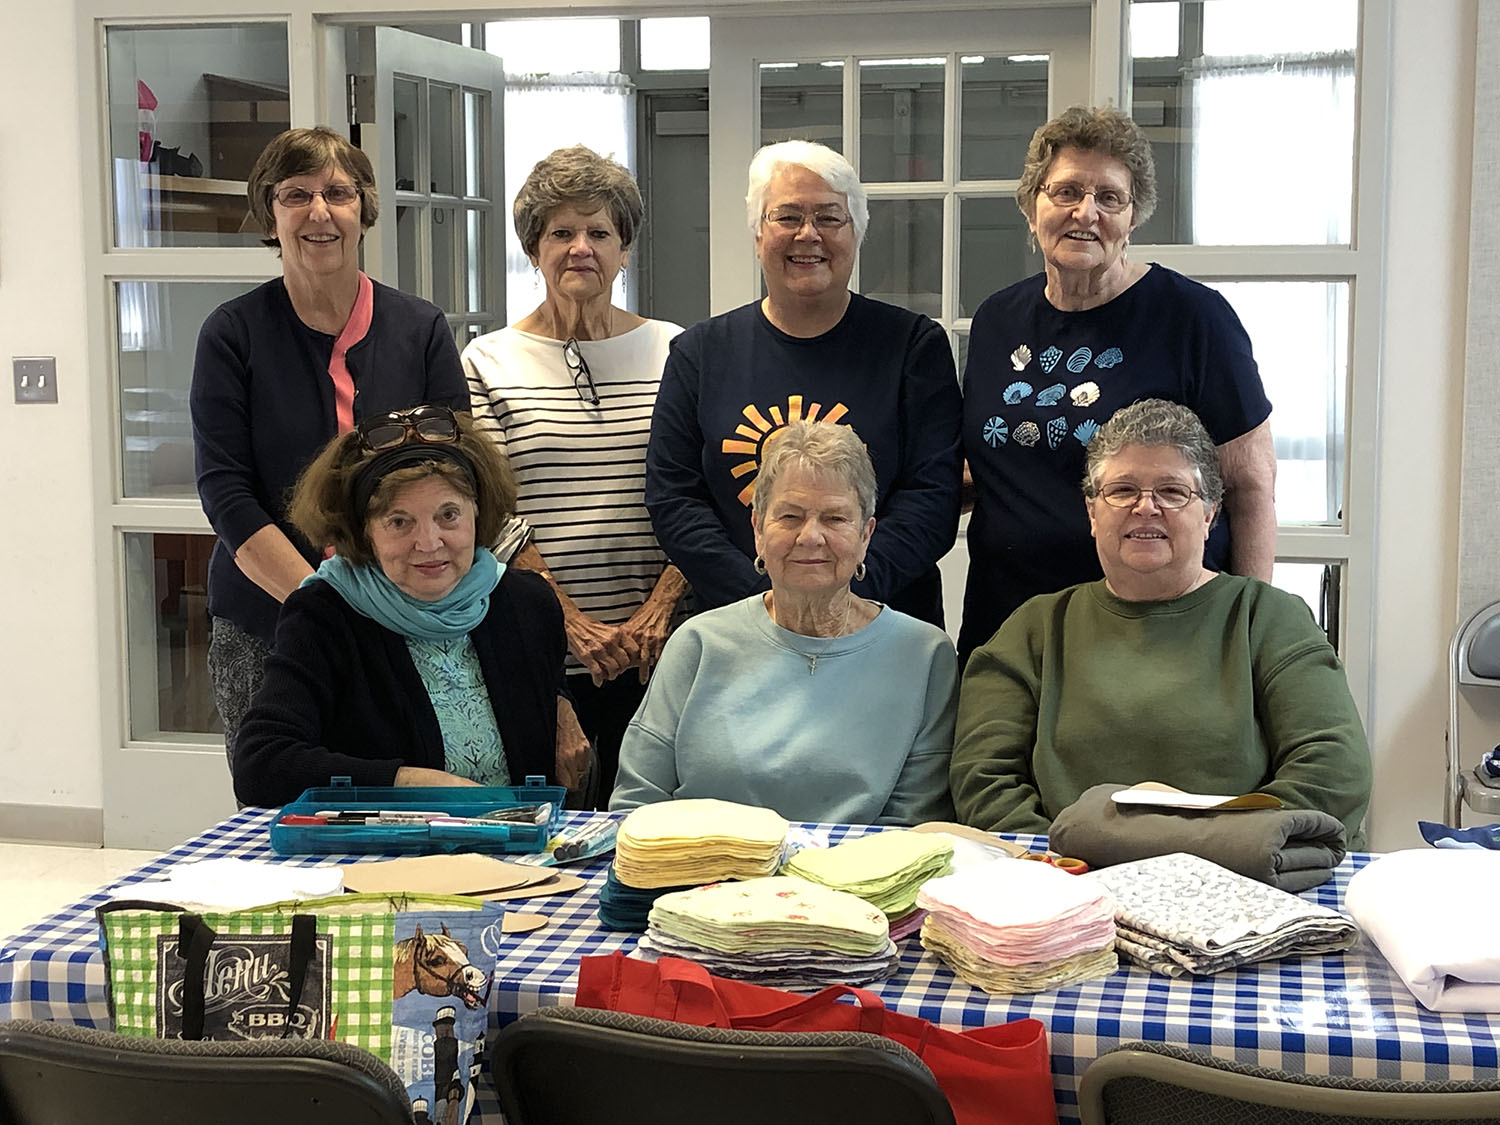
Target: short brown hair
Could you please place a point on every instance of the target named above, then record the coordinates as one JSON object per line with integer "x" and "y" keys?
{"x": 305, "y": 152}
{"x": 577, "y": 177}
{"x": 1105, "y": 130}
{"x": 323, "y": 509}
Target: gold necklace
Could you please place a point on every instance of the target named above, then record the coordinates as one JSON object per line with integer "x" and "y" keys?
{"x": 813, "y": 657}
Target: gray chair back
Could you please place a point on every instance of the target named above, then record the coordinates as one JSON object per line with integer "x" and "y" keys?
{"x": 1158, "y": 1084}
{"x": 582, "y": 1066}
{"x": 60, "y": 1074}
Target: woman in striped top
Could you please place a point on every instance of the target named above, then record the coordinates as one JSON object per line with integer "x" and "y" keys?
{"x": 567, "y": 393}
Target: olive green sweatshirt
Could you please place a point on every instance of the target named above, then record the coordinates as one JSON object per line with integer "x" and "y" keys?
{"x": 1231, "y": 688}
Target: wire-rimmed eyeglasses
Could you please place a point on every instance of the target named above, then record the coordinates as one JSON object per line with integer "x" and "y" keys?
{"x": 1109, "y": 200}
{"x": 583, "y": 378}
{"x": 334, "y": 195}
{"x": 1123, "y": 494}
{"x": 792, "y": 220}
{"x": 433, "y": 424}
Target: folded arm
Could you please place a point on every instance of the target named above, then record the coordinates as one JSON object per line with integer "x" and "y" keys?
{"x": 994, "y": 787}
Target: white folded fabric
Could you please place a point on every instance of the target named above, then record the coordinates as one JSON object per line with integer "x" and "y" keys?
{"x": 1435, "y": 915}
{"x": 235, "y": 884}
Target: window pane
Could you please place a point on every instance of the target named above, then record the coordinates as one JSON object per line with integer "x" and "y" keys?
{"x": 802, "y": 102}
{"x": 1154, "y": 30}
{"x": 476, "y": 124}
{"x": 674, "y": 44}
{"x": 158, "y": 324}
{"x": 900, "y": 120}
{"x": 445, "y": 234}
{"x": 1300, "y": 331}
{"x": 190, "y": 109}
{"x": 407, "y": 110}
{"x": 476, "y": 254}
{"x": 406, "y": 248}
{"x": 1318, "y": 585}
{"x": 167, "y": 627}
{"x": 1221, "y": 112}
{"x": 993, "y": 249}
{"x": 444, "y": 178}
{"x": 901, "y": 260}
{"x": 1002, "y": 100}
{"x": 555, "y": 46}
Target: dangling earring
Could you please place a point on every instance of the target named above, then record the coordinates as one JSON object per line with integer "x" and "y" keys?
{"x": 536, "y": 277}
{"x": 859, "y": 571}
{"x": 760, "y": 565}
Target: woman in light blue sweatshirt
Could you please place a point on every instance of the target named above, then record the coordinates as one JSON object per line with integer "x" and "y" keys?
{"x": 807, "y": 699}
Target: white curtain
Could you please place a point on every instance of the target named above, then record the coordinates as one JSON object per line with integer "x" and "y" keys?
{"x": 547, "y": 112}
{"x": 143, "y": 324}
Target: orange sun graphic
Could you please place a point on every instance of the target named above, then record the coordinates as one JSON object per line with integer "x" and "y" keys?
{"x": 759, "y": 431}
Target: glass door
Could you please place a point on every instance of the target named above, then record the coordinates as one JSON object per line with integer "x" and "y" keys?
{"x": 436, "y": 142}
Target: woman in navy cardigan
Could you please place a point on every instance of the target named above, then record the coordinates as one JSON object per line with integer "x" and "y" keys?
{"x": 411, "y": 657}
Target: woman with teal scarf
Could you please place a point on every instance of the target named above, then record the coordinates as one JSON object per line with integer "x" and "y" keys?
{"x": 411, "y": 657}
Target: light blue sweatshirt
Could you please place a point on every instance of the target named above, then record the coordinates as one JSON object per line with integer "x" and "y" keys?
{"x": 735, "y": 712}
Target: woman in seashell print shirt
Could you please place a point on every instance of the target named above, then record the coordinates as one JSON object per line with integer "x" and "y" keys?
{"x": 1052, "y": 357}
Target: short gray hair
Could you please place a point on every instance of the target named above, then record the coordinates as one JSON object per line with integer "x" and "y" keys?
{"x": 1105, "y": 130}
{"x": 818, "y": 159}
{"x": 577, "y": 177}
{"x": 822, "y": 447}
{"x": 1155, "y": 422}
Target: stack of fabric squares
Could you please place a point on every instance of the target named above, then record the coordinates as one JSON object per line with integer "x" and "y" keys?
{"x": 778, "y": 931}
{"x": 1009, "y": 926}
{"x": 884, "y": 868}
{"x": 628, "y": 908}
{"x": 685, "y": 843}
{"x": 1179, "y": 914}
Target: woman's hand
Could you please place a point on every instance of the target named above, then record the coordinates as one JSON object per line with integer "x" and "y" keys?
{"x": 421, "y": 775}
{"x": 572, "y": 747}
{"x": 605, "y": 650}
{"x": 647, "y": 630}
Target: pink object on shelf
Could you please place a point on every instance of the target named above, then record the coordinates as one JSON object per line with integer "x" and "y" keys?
{"x": 145, "y": 102}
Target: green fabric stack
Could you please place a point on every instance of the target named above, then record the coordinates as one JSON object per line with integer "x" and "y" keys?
{"x": 884, "y": 868}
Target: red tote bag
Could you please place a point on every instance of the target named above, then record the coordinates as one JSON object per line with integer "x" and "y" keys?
{"x": 990, "y": 1074}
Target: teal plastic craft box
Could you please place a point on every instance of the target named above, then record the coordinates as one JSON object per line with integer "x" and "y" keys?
{"x": 417, "y": 821}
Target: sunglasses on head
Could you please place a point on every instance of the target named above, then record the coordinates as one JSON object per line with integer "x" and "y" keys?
{"x": 433, "y": 424}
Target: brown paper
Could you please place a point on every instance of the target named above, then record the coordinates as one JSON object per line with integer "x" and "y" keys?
{"x": 559, "y": 884}
{"x": 977, "y": 835}
{"x": 515, "y": 922}
{"x": 462, "y": 874}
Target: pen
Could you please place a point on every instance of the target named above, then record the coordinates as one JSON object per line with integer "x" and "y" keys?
{"x": 585, "y": 840}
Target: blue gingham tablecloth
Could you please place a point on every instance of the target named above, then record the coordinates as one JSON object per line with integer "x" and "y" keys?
{"x": 1344, "y": 1014}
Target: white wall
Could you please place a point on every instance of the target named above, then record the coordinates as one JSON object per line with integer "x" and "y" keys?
{"x": 49, "y": 678}
{"x": 50, "y": 725}
{"x": 1431, "y": 125}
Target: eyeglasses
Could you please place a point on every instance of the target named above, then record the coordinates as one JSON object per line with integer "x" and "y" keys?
{"x": 1109, "y": 200}
{"x": 792, "y": 220}
{"x": 1123, "y": 494}
{"x": 433, "y": 424}
{"x": 335, "y": 195}
{"x": 579, "y": 366}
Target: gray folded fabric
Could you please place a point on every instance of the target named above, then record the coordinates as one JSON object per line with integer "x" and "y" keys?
{"x": 1291, "y": 849}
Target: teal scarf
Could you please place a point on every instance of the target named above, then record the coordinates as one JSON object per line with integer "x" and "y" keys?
{"x": 373, "y": 595}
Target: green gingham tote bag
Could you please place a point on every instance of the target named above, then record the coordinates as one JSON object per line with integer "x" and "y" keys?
{"x": 405, "y": 977}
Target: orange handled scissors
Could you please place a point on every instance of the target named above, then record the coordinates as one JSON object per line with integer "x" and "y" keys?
{"x": 1061, "y": 862}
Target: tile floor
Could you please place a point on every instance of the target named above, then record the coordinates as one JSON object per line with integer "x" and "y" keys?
{"x": 37, "y": 880}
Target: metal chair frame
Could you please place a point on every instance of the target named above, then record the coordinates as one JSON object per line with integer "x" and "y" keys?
{"x": 1463, "y": 787}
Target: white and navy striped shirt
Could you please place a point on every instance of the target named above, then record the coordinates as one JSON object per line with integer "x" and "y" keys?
{"x": 581, "y": 469}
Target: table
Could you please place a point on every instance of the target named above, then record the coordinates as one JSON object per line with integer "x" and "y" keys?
{"x": 1343, "y": 1014}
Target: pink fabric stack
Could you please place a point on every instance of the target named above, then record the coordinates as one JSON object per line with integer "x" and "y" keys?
{"x": 1010, "y": 926}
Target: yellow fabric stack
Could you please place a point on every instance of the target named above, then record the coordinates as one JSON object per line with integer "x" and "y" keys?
{"x": 883, "y": 868}
{"x": 677, "y": 843}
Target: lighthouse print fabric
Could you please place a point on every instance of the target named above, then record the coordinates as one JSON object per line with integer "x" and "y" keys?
{"x": 409, "y": 986}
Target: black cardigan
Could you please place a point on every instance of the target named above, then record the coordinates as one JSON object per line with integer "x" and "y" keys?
{"x": 342, "y": 696}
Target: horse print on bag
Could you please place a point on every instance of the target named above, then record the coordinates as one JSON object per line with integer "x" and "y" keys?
{"x": 439, "y": 966}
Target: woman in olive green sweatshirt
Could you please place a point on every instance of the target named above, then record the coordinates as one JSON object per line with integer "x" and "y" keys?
{"x": 1163, "y": 671}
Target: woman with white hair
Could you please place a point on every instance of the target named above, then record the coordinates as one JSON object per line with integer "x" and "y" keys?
{"x": 807, "y": 699}
{"x": 809, "y": 349}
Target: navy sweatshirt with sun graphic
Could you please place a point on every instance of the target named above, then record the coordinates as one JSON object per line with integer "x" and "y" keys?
{"x": 732, "y": 380}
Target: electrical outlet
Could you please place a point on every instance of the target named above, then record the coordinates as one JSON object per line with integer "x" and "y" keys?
{"x": 36, "y": 378}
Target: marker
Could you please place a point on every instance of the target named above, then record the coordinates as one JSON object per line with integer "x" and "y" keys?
{"x": 600, "y": 832}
